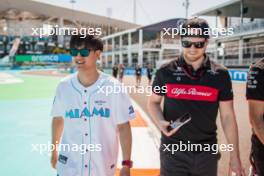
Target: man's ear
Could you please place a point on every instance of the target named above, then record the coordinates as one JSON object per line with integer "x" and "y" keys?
{"x": 206, "y": 43}
{"x": 97, "y": 53}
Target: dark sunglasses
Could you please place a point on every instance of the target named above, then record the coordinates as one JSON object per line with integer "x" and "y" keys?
{"x": 83, "y": 52}
{"x": 188, "y": 44}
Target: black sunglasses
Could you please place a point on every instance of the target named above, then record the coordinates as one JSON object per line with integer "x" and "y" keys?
{"x": 83, "y": 52}
{"x": 188, "y": 44}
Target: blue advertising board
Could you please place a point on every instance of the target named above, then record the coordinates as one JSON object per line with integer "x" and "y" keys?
{"x": 238, "y": 75}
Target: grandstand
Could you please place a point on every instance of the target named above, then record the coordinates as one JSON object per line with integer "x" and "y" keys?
{"x": 142, "y": 45}
{"x": 17, "y": 18}
{"x": 247, "y": 43}
{"x": 129, "y": 43}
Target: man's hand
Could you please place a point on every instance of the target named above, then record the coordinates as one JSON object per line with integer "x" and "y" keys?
{"x": 235, "y": 167}
{"x": 125, "y": 171}
{"x": 156, "y": 114}
{"x": 54, "y": 159}
{"x": 163, "y": 126}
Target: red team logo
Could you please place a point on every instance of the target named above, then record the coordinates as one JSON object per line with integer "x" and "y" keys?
{"x": 190, "y": 92}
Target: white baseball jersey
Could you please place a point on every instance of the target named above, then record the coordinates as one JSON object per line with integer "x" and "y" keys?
{"x": 90, "y": 122}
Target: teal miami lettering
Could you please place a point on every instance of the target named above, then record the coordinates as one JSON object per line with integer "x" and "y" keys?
{"x": 78, "y": 113}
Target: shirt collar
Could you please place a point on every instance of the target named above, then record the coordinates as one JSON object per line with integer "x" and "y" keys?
{"x": 205, "y": 65}
{"x": 80, "y": 88}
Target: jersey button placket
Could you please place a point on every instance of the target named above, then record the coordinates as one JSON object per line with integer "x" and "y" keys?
{"x": 85, "y": 102}
{"x": 85, "y": 105}
{"x": 86, "y": 135}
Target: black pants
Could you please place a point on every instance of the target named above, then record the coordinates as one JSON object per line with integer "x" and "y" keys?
{"x": 257, "y": 153}
{"x": 186, "y": 163}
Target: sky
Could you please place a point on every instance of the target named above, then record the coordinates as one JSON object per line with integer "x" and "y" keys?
{"x": 148, "y": 11}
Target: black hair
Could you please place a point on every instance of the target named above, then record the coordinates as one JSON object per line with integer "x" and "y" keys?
{"x": 89, "y": 41}
{"x": 199, "y": 24}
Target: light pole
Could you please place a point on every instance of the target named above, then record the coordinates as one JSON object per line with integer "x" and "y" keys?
{"x": 186, "y": 4}
{"x": 109, "y": 14}
{"x": 241, "y": 11}
{"x": 135, "y": 11}
{"x": 72, "y": 3}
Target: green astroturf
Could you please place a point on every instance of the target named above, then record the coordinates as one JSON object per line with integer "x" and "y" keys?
{"x": 25, "y": 121}
{"x": 33, "y": 87}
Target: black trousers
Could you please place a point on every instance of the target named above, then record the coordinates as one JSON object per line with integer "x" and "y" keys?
{"x": 257, "y": 153}
{"x": 186, "y": 163}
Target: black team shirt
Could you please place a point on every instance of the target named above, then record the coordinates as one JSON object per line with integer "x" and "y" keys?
{"x": 255, "y": 82}
{"x": 138, "y": 71}
{"x": 255, "y": 91}
{"x": 195, "y": 92}
{"x": 115, "y": 71}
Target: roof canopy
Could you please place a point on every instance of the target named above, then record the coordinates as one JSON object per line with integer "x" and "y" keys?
{"x": 65, "y": 13}
{"x": 157, "y": 27}
{"x": 252, "y": 9}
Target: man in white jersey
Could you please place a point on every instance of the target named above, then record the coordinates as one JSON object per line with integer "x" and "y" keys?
{"x": 89, "y": 120}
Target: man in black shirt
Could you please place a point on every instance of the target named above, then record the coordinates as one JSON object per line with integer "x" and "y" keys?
{"x": 138, "y": 72}
{"x": 255, "y": 97}
{"x": 196, "y": 85}
{"x": 149, "y": 73}
{"x": 121, "y": 72}
{"x": 115, "y": 71}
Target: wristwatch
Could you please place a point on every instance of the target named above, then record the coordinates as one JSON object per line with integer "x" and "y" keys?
{"x": 127, "y": 163}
